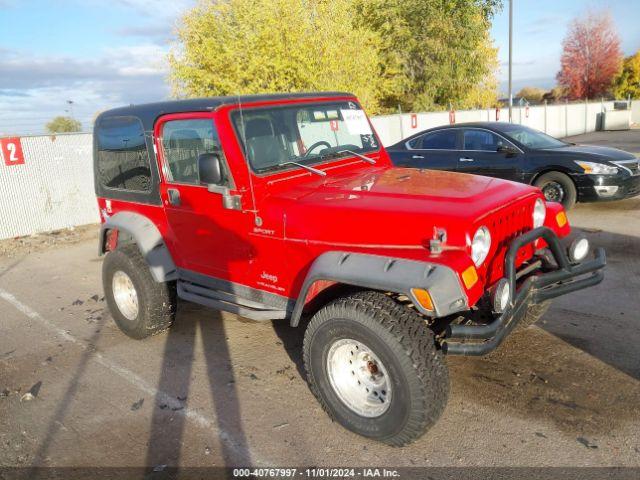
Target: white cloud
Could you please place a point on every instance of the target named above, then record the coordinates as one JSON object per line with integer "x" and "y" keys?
{"x": 35, "y": 89}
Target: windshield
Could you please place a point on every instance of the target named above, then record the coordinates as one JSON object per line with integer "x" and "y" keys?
{"x": 304, "y": 134}
{"x": 533, "y": 138}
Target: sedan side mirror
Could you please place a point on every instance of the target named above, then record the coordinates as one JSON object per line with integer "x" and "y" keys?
{"x": 210, "y": 168}
{"x": 507, "y": 149}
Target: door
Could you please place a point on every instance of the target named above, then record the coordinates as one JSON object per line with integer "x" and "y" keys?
{"x": 434, "y": 150}
{"x": 208, "y": 238}
{"x": 481, "y": 155}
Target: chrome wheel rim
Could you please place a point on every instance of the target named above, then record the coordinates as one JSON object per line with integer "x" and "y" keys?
{"x": 125, "y": 295}
{"x": 359, "y": 378}
{"x": 553, "y": 192}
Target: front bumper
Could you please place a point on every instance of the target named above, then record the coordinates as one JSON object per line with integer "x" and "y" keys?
{"x": 536, "y": 288}
{"x": 596, "y": 188}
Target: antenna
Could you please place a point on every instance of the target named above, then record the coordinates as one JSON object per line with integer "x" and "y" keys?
{"x": 257, "y": 220}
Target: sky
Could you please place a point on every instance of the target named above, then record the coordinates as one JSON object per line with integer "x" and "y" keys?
{"x": 539, "y": 27}
{"x": 101, "y": 54}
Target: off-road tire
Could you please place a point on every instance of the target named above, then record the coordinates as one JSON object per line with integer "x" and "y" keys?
{"x": 405, "y": 345}
{"x": 534, "y": 313}
{"x": 570, "y": 192}
{"x": 156, "y": 301}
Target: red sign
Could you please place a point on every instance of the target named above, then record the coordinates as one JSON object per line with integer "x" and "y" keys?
{"x": 11, "y": 150}
{"x": 452, "y": 117}
{"x": 414, "y": 120}
{"x": 334, "y": 125}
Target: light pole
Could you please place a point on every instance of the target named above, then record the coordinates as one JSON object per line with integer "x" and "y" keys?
{"x": 70, "y": 103}
{"x": 510, "y": 60}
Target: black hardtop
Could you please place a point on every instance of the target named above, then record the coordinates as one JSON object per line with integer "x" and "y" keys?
{"x": 149, "y": 112}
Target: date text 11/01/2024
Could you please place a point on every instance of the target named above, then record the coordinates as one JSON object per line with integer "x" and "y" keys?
{"x": 317, "y": 472}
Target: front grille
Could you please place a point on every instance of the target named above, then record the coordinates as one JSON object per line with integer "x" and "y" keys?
{"x": 505, "y": 225}
{"x": 632, "y": 165}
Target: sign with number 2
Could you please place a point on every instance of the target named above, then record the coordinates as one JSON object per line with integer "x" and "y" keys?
{"x": 11, "y": 150}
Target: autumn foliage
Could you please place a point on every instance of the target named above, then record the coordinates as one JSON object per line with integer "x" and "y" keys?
{"x": 591, "y": 57}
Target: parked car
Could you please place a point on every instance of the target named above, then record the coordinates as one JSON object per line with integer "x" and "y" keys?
{"x": 565, "y": 172}
{"x": 287, "y": 207}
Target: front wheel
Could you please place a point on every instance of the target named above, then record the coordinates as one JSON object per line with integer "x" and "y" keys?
{"x": 374, "y": 367}
{"x": 558, "y": 187}
{"x": 533, "y": 314}
{"x": 140, "y": 306}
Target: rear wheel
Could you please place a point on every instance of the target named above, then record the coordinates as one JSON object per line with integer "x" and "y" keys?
{"x": 558, "y": 187}
{"x": 373, "y": 366}
{"x": 139, "y": 305}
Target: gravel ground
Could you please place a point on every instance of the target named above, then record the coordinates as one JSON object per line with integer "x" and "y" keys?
{"x": 221, "y": 390}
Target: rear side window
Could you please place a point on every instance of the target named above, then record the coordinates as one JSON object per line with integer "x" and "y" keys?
{"x": 442, "y": 140}
{"x": 123, "y": 160}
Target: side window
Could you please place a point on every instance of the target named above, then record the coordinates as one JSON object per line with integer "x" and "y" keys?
{"x": 481, "y": 140}
{"x": 123, "y": 160}
{"x": 441, "y": 140}
{"x": 182, "y": 142}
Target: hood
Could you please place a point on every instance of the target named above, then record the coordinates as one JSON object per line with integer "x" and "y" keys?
{"x": 594, "y": 152}
{"x": 395, "y": 206}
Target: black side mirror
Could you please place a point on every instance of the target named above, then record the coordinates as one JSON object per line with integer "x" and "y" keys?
{"x": 210, "y": 168}
{"x": 507, "y": 149}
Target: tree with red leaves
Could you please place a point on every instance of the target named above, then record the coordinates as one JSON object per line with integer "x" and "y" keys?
{"x": 591, "y": 57}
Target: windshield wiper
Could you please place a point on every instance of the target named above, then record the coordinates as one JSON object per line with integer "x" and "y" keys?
{"x": 366, "y": 159}
{"x": 306, "y": 167}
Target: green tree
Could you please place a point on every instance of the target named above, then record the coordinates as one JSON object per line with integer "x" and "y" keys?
{"x": 556, "y": 94}
{"x": 628, "y": 82}
{"x": 532, "y": 94}
{"x": 435, "y": 52}
{"x": 62, "y": 124}
{"x": 231, "y": 47}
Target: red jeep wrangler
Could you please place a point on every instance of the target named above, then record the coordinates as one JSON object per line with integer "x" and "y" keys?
{"x": 288, "y": 207}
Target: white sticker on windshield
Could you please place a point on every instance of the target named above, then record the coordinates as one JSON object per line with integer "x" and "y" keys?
{"x": 357, "y": 123}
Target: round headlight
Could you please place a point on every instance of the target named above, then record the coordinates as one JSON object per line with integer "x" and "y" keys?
{"x": 480, "y": 245}
{"x": 539, "y": 213}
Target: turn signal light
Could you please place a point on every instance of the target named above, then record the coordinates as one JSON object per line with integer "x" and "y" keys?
{"x": 423, "y": 298}
{"x": 561, "y": 218}
{"x": 470, "y": 277}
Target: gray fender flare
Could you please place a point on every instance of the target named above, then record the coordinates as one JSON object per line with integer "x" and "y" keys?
{"x": 149, "y": 241}
{"x": 387, "y": 274}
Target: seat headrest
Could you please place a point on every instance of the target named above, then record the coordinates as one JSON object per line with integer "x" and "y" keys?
{"x": 185, "y": 138}
{"x": 259, "y": 127}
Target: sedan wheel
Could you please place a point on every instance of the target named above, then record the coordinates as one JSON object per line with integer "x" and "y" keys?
{"x": 553, "y": 192}
{"x": 558, "y": 187}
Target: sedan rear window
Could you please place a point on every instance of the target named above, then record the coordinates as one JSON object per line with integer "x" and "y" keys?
{"x": 442, "y": 140}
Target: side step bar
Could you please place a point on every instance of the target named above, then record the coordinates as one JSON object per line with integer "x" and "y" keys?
{"x": 228, "y": 302}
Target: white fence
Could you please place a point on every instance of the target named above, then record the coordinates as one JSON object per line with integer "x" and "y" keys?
{"x": 562, "y": 120}
{"x": 50, "y": 186}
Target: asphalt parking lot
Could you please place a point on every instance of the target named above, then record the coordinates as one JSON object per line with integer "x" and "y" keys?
{"x": 221, "y": 390}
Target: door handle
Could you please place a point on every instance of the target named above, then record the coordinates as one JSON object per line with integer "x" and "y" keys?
{"x": 466, "y": 159}
{"x": 174, "y": 196}
{"x": 417, "y": 156}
